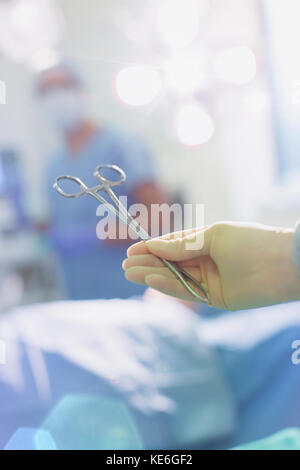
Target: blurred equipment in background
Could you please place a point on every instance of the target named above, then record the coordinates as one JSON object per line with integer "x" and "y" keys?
{"x": 12, "y": 213}
{"x": 27, "y": 270}
{"x": 30, "y": 32}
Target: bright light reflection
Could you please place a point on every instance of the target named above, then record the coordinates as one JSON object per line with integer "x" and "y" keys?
{"x": 178, "y": 22}
{"x": 194, "y": 126}
{"x": 25, "y": 16}
{"x": 185, "y": 74}
{"x": 236, "y": 65}
{"x": 29, "y": 26}
{"x": 138, "y": 85}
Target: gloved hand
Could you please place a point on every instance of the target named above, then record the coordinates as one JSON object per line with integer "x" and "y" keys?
{"x": 240, "y": 265}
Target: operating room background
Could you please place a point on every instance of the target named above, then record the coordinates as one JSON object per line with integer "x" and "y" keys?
{"x": 235, "y": 169}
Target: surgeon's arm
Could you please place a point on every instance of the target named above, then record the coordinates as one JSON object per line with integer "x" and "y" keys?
{"x": 240, "y": 265}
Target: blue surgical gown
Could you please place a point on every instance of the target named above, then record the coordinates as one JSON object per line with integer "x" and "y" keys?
{"x": 91, "y": 267}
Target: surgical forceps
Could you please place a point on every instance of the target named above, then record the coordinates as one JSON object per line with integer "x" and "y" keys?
{"x": 120, "y": 211}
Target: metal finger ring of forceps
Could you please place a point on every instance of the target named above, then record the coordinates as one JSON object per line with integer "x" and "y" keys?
{"x": 120, "y": 211}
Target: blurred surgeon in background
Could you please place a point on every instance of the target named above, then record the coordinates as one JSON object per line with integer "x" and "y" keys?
{"x": 91, "y": 267}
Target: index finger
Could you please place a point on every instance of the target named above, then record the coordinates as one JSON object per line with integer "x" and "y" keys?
{"x": 140, "y": 248}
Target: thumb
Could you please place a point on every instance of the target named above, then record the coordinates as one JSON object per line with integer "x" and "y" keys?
{"x": 182, "y": 246}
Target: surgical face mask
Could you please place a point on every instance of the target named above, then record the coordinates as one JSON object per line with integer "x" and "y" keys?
{"x": 65, "y": 108}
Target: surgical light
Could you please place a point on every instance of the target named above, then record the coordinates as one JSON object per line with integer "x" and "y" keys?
{"x": 25, "y": 16}
{"x": 138, "y": 85}
{"x": 194, "y": 126}
{"x": 178, "y": 22}
{"x": 28, "y": 27}
{"x": 236, "y": 65}
{"x": 185, "y": 74}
